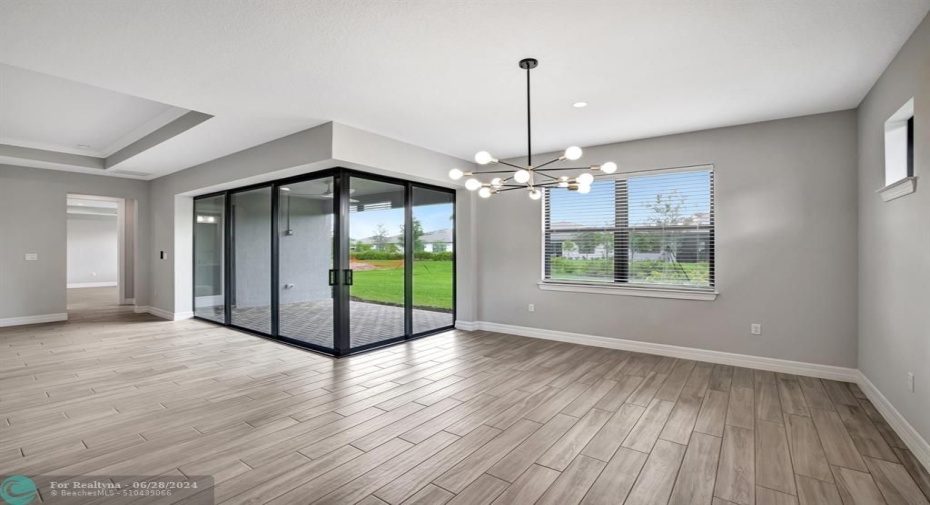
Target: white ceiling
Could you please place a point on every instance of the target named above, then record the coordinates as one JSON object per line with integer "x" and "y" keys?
{"x": 46, "y": 112}
{"x": 444, "y": 75}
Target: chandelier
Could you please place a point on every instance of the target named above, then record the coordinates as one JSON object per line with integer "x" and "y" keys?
{"x": 531, "y": 178}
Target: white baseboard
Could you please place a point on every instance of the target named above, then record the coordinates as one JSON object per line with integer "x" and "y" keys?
{"x": 674, "y": 351}
{"x": 44, "y": 318}
{"x": 107, "y": 284}
{"x": 466, "y": 325}
{"x": 164, "y": 314}
{"x": 899, "y": 424}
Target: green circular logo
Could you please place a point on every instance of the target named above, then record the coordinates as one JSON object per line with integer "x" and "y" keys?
{"x": 18, "y": 490}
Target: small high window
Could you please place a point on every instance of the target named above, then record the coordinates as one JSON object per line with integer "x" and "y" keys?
{"x": 899, "y": 153}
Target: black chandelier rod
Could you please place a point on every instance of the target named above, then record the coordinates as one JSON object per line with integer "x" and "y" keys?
{"x": 529, "y": 127}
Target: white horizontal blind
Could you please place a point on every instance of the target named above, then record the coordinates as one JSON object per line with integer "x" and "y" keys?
{"x": 651, "y": 230}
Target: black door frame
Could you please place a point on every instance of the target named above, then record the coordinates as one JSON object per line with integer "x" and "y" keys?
{"x": 340, "y": 256}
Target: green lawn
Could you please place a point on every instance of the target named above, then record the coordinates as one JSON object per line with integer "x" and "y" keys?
{"x": 432, "y": 283}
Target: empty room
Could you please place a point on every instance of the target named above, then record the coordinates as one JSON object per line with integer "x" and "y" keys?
{"x": 427, "y": 252}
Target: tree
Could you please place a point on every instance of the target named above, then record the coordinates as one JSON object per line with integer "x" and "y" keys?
{"x": 589, "y": 241}
{"x": 646, "y": 242}
{"x": 666, "y": 209}
{"x": 569, "y": 247}
{"x": 418, "y": 244}
{"x": 380, "y": 237}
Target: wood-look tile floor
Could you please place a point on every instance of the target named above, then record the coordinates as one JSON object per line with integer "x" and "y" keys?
{"x": 460, "y": 418}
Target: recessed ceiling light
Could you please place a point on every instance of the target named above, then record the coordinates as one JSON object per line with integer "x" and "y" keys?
{"x": 285, "y": 189}
{"x": 83, "y": 146}
{"x": 580, "y": 105}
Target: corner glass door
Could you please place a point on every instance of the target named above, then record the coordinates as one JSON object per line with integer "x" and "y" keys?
{"x": 336, "y": 261}
{"x": 305, "y": 262}
{"x": 375, "y": 279}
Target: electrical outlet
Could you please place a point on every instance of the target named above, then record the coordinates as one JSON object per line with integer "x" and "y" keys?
{"x": 910, "y": 382}
{"x": 755, "y": 329}
{"x": 31, "y": 257}
{"x": 531, "y": 307}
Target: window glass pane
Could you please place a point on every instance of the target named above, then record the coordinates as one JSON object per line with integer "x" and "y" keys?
{"x": 582, "y": 256}
{"x": 670, "y": 257}
{"x": 208, "y": 258}
{"x": 251, "y": 259}
{"x": 676, "y": 199}
{"x": 670, "y": 218}
{"x": 433, "y": 265}
{"x": 572, "y": 210}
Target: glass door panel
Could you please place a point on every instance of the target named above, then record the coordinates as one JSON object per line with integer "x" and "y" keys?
{"x": 375, "y": 278}
{"x": 305, "y": 260}
{"x": 250, "y": 251}
{"x": 209, "y": 232}
{"x": 433, "y": 259}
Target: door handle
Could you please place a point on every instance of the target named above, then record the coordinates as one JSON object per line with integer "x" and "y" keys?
{"x": 347, "y": 276}
{"x": 332, "y": 277}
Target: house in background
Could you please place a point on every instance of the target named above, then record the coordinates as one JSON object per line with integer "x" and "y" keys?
{"x": 434, "y": 241}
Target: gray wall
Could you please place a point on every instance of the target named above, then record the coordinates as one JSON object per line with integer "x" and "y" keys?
{"x": 92, "y": 248}
{"x": 894, "y": 241}
{"x": 305, "y": 256}
{"x": 33, "y": 219}
{"x": 786, "y": 247}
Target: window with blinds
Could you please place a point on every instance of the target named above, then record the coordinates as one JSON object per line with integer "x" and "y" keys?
{"x": 651, "y": 230}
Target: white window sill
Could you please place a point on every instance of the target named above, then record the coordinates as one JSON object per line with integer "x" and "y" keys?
{"x": 680, "y": 294}
{"x": 898, "y": 189}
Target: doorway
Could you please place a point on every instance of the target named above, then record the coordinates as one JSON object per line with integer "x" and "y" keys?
{"x": 99, "y": 252}
{"x": 338, "y": 261}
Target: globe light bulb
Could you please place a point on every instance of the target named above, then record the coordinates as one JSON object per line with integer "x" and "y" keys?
{"x": 585, "y": 179}
{"x": 456, "y": 174}
{"x": 563, "y": 181}
{"x": 609, "y": 167}
{"x": 484, "y": 192}
{"x": 573, "y": 153}
{"x": 472, "y": 184}
{"x": 521, "y": 176}
{"x": 535, "y": 194}
{"x": 497, "y": 182}
{"x": 483, "y": 158}
{"x": 584, "y": 189}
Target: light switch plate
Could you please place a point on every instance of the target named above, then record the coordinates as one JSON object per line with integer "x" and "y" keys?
{"x": 32, "y": 257}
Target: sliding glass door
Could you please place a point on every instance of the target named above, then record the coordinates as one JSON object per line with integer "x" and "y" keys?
{"x": 306, "y": 295}
{"x": 250, "y": 255}
{"x": 336, "y": 261}
{"x": 209, "y": 240}
{"x": 433, "y": 259}
{"x": 375, "y": 225}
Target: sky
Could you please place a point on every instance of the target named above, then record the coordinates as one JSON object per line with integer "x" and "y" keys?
{"x": 597, "y": 207}
{"x": 432, "y": 218}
